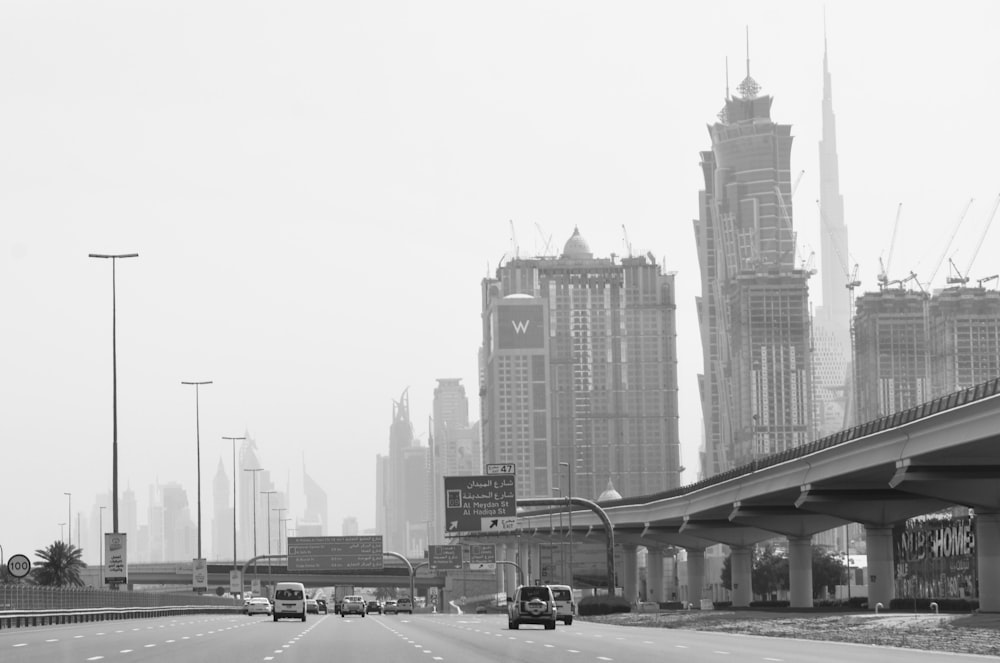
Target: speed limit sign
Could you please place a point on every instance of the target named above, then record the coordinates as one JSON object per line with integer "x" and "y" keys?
{"x": 18, "y": 566}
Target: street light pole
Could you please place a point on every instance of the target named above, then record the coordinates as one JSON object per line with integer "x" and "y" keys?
{"x": 100, "y": 515}
{"x": 197, "y": 437}
{"x": 69, "y": 515}
{"x": 569, "y": 498}
{"x": 562, "y": 551}
{"x": 114, "y": 384}
{"x": 62, "y": 532}
{"x": 233, "y": 440}
{"x": 254, "y": 472}
{"x": 268, "y": 493}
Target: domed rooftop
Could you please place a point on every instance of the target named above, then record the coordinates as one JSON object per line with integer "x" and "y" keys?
{"x": 609, "y": 493}
{"x": 577, "y": 247}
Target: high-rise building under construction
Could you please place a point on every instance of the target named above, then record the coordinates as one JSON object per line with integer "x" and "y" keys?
{"x": 579, "y": 373}
{"x": 753, "y": 310}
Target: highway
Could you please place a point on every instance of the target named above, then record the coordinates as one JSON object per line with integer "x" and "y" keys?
{"x": 419, "y": 638}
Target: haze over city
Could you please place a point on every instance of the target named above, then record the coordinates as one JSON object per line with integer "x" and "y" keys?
{"x": 316, "y": 192}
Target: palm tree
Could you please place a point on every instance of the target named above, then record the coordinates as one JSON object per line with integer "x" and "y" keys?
{"x": 60, "y": 566}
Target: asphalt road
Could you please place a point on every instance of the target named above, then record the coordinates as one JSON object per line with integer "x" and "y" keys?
{"x": 415, "y": 639}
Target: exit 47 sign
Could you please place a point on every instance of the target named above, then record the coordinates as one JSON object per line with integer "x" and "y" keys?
{"x": 483, "y": 503}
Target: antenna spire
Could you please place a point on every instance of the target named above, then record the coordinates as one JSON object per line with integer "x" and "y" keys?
{"x": 749, "y": 88}
{"x": 727, "y": 77}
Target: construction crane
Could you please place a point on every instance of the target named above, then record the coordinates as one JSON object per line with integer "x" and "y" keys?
{"x": 980, "y": 282}
{"x": 883, "y": 274}
{"x": 513, "y": 241}
{"x": 947, "y": 246}
{"x": 545, "y": 250}
{"x": 797, "y": 180}
{"x": 628, "y": 244}
{"x": 955, "y": 277}
{"x": 982, "y": 237}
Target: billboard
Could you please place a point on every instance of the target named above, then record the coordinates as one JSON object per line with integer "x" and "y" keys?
{"x": 116, "y": 558}
{"x": 936, "y": 558}
{"x": 520, "y": 326}
{"x": 445, "y": 557}
{"x": 334, "y": 553}
{"x": 480, "y": 503}
{"x": 199, "y": 574}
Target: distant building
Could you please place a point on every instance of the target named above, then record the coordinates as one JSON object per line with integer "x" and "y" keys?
{"x": 222, "y": 516}
{"x": 579, "y": 366}
{"x": 454, "y": 445}
{"x": 402, "y": 482}
{"x": 965, "y": 338}
{"x": 349, "y": 526}
{"x": 756, "y": 388}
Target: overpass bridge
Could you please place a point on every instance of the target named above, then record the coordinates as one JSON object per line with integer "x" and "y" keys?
{"x": 939, "y": 454}
{"x": 180, "y": 573}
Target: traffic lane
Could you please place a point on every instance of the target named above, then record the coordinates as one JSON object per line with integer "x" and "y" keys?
{"x": 199, "y": 639}
{"x": 585, "y": 641}
{"x": 486, "y": 639}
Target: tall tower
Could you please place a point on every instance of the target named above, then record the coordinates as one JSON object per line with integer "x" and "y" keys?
{"x": 579, "y": 366}
{"x": 222, "y": 515}
{"x": 753, "y": 309}
{"x": 455, "y": 448}
{"x": 832, "y": 332}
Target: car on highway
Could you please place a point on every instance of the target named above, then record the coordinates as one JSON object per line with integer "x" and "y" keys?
{"x": 312, "y": 606}
{"x": 289, "y": 601}
{"x": 258, "y": 605}
{"x": 565, "y": 605}
{"x": 353, "y": 605}
{"x": 404, "y": 604}
{"x": 532, "y": 604}
{"x": 374, "y": 606}
{"x": 321, "y": 605}
{"x": 389, "y": 607}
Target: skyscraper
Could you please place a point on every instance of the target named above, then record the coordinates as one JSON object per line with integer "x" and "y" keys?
{"x": 455, "y": 448}
{"x": 753, "y": 309}
{"x": 832, "y": 329}
{"x": 404, "y": 478}
{"x": 579, "y": 366}
{"x": 222, "y": 516}
{"x": 965, "y": 338}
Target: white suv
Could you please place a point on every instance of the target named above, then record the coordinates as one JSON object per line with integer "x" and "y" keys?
{"x": 532, "y": 604}
{"x": 565, "y": 605}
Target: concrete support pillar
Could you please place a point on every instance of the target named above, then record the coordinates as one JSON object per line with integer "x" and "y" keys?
{"x": 881, "y": 567}
{"x": 630, "y": 574}
{"x": 654, "y": 575}
{"x": 509, "y": 572}
{"x": 800, "y": 571}
{"x": 741, "y": 568}
{"x": 696, "y": 576}
{"x": 988, "y": 560}
{"x": 525, "y": 563}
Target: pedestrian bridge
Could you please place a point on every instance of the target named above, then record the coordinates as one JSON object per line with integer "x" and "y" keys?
{"x": 942, "y": 453}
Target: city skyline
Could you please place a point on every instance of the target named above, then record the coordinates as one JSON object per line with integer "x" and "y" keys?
{"x": 314, "y": 203}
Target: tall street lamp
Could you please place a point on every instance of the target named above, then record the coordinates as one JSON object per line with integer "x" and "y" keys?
{"x": 197, "y": 437}
{"x": 569, "y": 506}
{"x": 233, "y": 440}
{"x": 254, "y": 472}
{"x": 114, "y": 385}
{"x": 100, "y": 537}
{"x": 562, "y": 550}
{"x": 268, "y": 493}
{"x": 280, "y": 520}
{"x": 69, "y": 515}
{"x": 62, "y": 531}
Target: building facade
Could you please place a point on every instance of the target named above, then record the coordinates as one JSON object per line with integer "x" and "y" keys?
{"x": 579, "y": 373}
{"x": 454, "y": 447}
{"x": 756, "y": 385}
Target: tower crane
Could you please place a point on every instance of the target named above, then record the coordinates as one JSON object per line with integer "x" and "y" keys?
{"x": 982, "y": 237}
{"x": 628, "y": 244}
{"x": 883, "y": 274}
{"x": 513, "y": 240}
{"x": 947, "y": 246}
{"x": 545, "y": 250}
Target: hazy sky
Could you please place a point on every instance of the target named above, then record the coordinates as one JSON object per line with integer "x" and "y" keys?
{"x": 316, "y": 190}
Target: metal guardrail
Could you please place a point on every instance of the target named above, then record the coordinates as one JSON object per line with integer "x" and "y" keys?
{"x": 30, "y": 605}
{"x": 25, "y": 618}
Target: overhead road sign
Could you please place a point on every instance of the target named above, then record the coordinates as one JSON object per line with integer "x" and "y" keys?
{"x": 482, "y": 557}
{"x": 445, "y": 557}
{"x": 481, "y": 503}
{"x": 334, "y": 553}
{"x": 500, "y": 468}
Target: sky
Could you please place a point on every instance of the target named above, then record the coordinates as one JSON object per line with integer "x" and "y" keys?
{"x": 317, "y": 189}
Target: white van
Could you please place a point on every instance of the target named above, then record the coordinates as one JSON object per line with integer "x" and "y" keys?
{"x": 565, "y": 605}
{"x": 290, "y": 600}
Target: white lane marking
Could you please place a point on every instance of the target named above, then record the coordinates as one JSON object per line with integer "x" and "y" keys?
{"x": 427, "y": 651}
{"x": 774, "y": 659}
{"x": 268, "y": 658}
{"x": 77, "y": 637}
{"x": 681, "y": 646}
{"x": 604, "y": 658}
{"x": 52, "y": 640}
{"x": 148, "y": 646}
{"x": 171, "y": 640}
{"x": 22, "y": 644}
{"x": 720, "y": 652}
{"x": 550, "y": 646}
{"x": 95, "y": 658}
{"x": 575, "y": 651}
{"x": 438, "y": 658}
{"x": 647, "y": 642}
{"x": 125, "y": 651}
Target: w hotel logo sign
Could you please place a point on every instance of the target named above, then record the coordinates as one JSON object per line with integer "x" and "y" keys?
{"x": 520, "y": 326}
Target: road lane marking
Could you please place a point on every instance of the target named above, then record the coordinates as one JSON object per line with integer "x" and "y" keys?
{"x": 774, "y": 659}
{"x": 52, "y": 640}
{"x": 720, "y": 652}
{"x": 95, "y": 658}
{"x": 23, "y": 644}
{"x": 125, "y": 651}
{"x": 148, "y": 646}
{"x": 604, "y": 658}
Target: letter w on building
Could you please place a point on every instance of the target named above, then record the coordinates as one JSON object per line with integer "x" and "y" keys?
{"x": 520, "y": 327}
